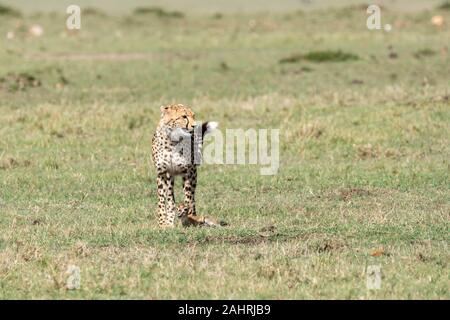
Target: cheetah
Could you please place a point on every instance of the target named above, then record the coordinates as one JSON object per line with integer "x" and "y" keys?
{"x": 176, "y": 150}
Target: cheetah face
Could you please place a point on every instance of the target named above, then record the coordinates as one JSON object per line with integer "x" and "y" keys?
{"x": 178, "y": 116}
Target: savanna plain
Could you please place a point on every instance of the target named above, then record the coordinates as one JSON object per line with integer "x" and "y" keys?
{"x": 364, "y": 150}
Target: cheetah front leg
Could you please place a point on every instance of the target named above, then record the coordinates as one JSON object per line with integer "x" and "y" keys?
{"x": 166, "y": 213}
{"x": 189, "y": 185}
{"x": 170, "y": 209}
{"x": 187, "y": 210}
{"x": 162, "y": 191}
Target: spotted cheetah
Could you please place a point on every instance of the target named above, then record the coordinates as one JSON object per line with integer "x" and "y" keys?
{"x": 176, "y": 150}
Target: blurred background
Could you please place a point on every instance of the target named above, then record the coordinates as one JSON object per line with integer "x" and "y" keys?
{"x": 230, "y": 6}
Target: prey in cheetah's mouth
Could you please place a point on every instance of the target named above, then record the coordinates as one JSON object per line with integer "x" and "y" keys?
{"x": 179, "y": 133}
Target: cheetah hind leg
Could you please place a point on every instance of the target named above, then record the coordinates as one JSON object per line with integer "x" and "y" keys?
{"x": 194, "y": 220}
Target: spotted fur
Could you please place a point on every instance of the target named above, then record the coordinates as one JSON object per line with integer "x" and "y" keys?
{"x": 175, "y": 152}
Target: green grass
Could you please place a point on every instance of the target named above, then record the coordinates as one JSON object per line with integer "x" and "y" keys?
{"x": 445, "y": 5}
{"x": 8, "y": 11}
{"x": 321, "y": 56}
{"x": 364, "y": 156}
{"x": 159, "y": 12}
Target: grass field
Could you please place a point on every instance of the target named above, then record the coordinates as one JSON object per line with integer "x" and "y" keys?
{"x": 364, "y": 148}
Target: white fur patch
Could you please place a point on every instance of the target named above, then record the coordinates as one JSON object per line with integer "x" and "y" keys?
{"x": 211, "y": 126}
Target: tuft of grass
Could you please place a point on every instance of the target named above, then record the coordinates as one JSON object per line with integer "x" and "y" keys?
{"x": 444, "y": 6}
{"x": 9, "y": 11}
{"x": 321, "y": 56}
{"x": 159, "y": 12}
{"x": 51, "y": 164}
{"x": 92, "y": 11}
{"x": 424, "y": 53}
{"x": 217, "y": 16}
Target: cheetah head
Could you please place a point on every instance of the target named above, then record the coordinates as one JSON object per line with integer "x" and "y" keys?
{"x": 178, "y": 116}
{"x": 180, "y": 120}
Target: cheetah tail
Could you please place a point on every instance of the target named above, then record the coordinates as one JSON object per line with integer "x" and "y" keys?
{"x": 208, "y": 127}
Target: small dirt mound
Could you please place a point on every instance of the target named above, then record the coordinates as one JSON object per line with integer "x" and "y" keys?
{"x": 349, "y": 193}
{"x": 9, "y": 163}
{"x": 19, "y": 82}
{"x": 327, "y": 245}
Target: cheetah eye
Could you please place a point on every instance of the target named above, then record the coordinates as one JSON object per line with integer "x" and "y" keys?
{"x": 185, "y": 117}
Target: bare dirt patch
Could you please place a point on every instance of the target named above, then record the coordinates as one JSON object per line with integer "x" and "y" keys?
{"x": 93, "y": 56}
{"x": 128, "y": 56}
{"x": 349, "y": 193}
{"x": 265, "y": 235}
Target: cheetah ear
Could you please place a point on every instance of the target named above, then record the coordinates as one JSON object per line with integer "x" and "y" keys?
{"x": 163, "y": 110}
